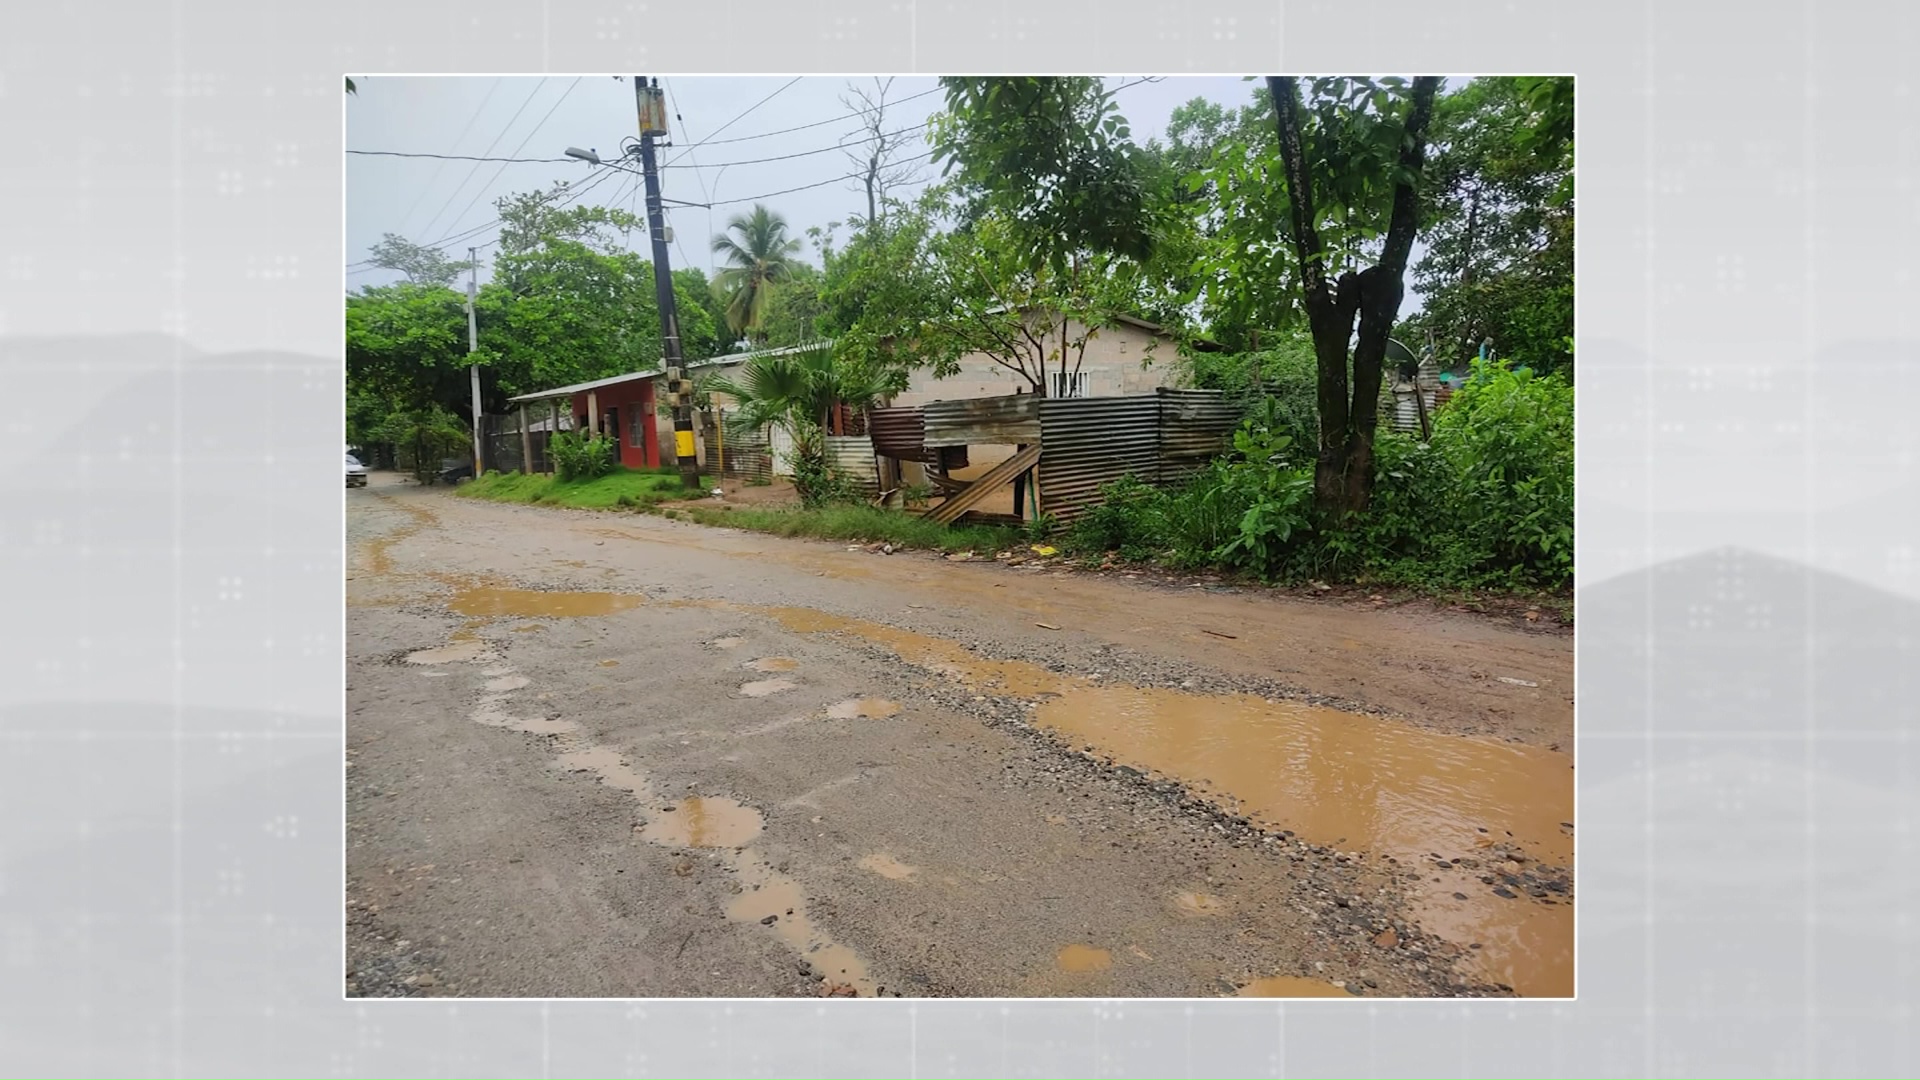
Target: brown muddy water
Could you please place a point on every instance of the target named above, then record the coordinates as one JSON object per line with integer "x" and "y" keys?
{"x": 1365, "y": 784}
{"x": 705, "y": 823}
{"x": 1355, "y": 782}
{"x": 1292, "y": 986}
{"x": 1083, "y": 958}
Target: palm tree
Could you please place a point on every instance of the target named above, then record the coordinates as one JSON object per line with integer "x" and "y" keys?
{"x": 797, "y": 391}
{"x": 759, "y": 259}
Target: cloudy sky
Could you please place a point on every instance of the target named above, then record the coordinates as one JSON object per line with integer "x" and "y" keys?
{"x": 727, "y": 126}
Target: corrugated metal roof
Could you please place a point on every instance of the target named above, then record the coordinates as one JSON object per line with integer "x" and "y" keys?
{"x": 654, "y": 373}
{"x": 1090, "y": 441}
{"x": 1013, "y": 419}
{"x": 581, "y": 388}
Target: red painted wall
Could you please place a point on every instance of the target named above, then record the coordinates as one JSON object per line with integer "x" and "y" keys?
{"x": 630, "y": 399}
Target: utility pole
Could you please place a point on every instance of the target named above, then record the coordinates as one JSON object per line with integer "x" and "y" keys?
{"x": 473, "y": 344}
{"x": 653, "y": 121}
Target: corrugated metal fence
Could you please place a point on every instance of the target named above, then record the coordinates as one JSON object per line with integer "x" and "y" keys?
{"x": 1163, "y": 440}
{"x": 1086, "y": 442}
{"x": 1196, "y": 426}
{"x": 851, "y": 456}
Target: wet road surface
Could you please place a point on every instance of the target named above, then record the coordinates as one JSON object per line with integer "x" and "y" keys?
{"x": 610, "y": 755}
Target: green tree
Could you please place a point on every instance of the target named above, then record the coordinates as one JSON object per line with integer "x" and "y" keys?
{"x": 793, "y": 310}
{"x": 759, "y": 255}
{"x": 1498, "y": 231}
{"x": 419, "y": 264}
{"x": 1052, "y": 158}
{"x": 703, "y": 318}
{"x": 1352, "y": 149}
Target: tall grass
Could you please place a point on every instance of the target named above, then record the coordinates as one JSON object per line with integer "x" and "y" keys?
{"x": 866, "y": 524}
{"x": 621, "y": 489}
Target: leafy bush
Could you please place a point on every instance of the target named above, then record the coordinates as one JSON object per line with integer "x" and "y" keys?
{"x": 1509, "y": 437}
{"x": 814, "y": 479}
{"x": 429, "y": 434}
{"x": 1489, "y": 502}
{"x": 575, "y": 458}
{"x": 1122, "y": 521}
{"x": 1277, "y": 498}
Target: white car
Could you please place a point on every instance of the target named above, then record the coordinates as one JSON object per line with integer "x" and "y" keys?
{"x": 356, "y": 472}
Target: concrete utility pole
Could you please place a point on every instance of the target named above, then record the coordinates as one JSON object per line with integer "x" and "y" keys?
{"x": 473, "y": 344}
{"x": 653, "y": 121}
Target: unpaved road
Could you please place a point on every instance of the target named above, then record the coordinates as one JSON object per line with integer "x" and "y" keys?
{"x": 610, "y": 755}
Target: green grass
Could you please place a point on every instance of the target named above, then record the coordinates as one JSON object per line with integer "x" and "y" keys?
{"x": 866, "y": 524}
{"x": 621, "y": 489}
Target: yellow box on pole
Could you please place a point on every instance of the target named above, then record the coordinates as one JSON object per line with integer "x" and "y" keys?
{"x": 683, "y": 444}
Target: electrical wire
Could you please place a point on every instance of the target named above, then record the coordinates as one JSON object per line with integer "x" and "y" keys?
{"x": 817, "y": 123}
{"x": 435, "y": 178}
{"x": 698, "y": 177}
{"x": 460, "y": 157}
{"x": 710, "y": 204}
{"x": 476, "y": 165}
{"x": 743, "y": 115}
{"x": 495, "y": 178}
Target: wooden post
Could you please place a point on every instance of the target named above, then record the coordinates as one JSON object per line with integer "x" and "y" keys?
{"x": 593, "y": 413}
{"x": 553, "y": 428}
{"x": 526, "y": 444}
{"x": 720, "y": 445}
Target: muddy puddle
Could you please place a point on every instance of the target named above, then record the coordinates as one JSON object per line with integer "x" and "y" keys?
{"x": 710, "y": 822}
{"x": 871, "y": 708}
{"x": 766, "y": 687}
{"x": 1292, "y": 986}
{"x": 495, "y": 602}
{"x": 776, "y": 901}
{"x": 1370, "y": 785}
{"x": 1355, "y": 782}
{"x": 774, "y": 664}
{"x": 1082, "y": 958}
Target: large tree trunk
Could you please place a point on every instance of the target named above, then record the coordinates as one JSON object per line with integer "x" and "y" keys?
{"x": 1343, "y": 469}
{"x": 1382, "y": 287}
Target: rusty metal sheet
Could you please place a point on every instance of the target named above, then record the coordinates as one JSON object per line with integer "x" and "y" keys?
{"x": 851, "y": 456}
{"x": 1196, "y": 426}
{"x": 1087, "y": 442}
{"x": 899, "y": 433}
{"x": 1011, "y": 420}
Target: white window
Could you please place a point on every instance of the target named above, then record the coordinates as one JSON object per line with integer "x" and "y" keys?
{"x": 1074, "y": 384}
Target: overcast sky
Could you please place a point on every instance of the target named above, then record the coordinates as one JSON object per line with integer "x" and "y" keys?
{"x": 725, "y": 125}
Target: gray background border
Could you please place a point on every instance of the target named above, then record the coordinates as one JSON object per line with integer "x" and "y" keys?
{"x": 170, "y": 681}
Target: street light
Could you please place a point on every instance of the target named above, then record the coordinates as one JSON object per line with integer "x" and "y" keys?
{"x": 589, "y": 156}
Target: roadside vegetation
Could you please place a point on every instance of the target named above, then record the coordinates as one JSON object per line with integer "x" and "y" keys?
{"x": 619, "y": 489}
{"x": 1274, "y": 239}
{"x": 860, "y": 523}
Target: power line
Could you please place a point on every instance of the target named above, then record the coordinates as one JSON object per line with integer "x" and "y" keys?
{"x": 742, "y": 116}
{"x": 435, "y": 178}
{"x": 459, "y": 157}
{"x": 476, "y": 166}
{"x": 698, "y": 177}
{"x": 611, "y": 167}
{"x": 495, "y": 178}
{"x": 454, "y": 240}
{"x": 808, "y": 187}
{"x": 817, "y": 123}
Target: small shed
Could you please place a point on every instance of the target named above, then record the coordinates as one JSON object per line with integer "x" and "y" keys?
{"x": 621, "y": 406}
